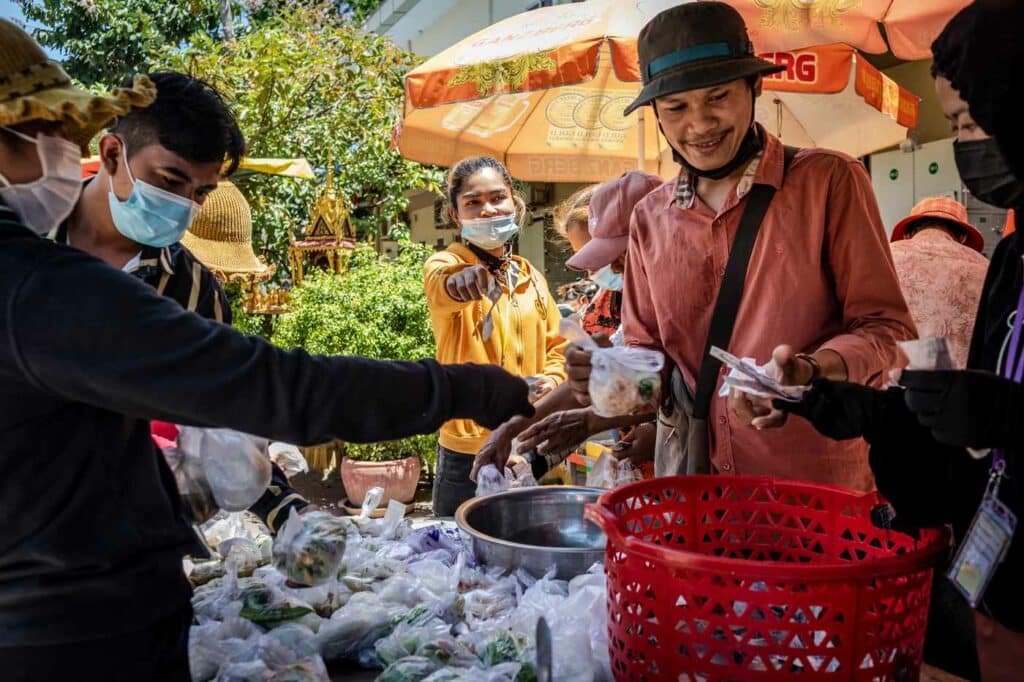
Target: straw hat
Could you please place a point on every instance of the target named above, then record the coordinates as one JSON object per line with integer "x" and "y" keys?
{"x": 34, "y": 87}
{"x": 221, "y": 234}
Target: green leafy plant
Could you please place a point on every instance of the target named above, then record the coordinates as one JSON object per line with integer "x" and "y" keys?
{"x": 305, "y": 83}
{"x": 104, "y": 41}
{"x": 376, "y": 309}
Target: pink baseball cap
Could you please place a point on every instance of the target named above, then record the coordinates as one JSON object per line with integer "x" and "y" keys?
{"x": 610, "y": 209}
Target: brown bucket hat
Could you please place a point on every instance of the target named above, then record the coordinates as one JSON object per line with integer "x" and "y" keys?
{"x": 695, "y": 46}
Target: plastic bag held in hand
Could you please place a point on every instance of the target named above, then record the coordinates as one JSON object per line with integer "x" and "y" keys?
{"x": 490, "y": 481}
{"x": 622, "y": 380}
{"x": 236, "y": 470}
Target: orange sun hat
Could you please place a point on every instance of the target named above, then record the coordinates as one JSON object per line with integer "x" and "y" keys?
{"x": 943, "y": 209}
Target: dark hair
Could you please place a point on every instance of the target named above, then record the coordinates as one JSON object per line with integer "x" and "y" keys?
{"x": 928, "y": 222}
{"x": 949, "y": 48}
{"x": 188, "y": 117}
{"x": 467, "y": 168}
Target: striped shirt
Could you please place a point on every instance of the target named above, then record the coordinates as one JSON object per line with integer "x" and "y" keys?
{"x": 174, "y": 272}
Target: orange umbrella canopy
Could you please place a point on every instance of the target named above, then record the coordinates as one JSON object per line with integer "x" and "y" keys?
{"x": 555, "y": 114}
{"x": 556, "y": 46}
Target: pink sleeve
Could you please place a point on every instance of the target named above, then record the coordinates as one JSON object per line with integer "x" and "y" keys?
{"x": 639, "y": 321}
{"x": 875, "y": 315}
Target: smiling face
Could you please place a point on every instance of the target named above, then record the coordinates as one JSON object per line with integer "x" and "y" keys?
{"x": 707, "y": 126}
{"x": 484, "y": 194}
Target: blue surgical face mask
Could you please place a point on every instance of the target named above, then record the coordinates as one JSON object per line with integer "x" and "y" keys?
{"x": 150, "y": 215}
{"x": 606, "y": 279}
{"x": 489, "y": 233}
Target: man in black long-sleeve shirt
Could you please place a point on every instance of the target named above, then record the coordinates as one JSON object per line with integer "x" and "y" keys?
{"x": 172, "y": 145}
{"x": 91, "y": 582}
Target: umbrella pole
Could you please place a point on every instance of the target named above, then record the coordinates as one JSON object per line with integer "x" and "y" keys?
{"x": 641, "y": 138}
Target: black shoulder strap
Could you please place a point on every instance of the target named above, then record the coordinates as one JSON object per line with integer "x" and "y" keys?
{"x": 731, "y": 292}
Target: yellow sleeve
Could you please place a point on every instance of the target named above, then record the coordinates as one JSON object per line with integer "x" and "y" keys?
{"x": 554, "y": 363}
{"x": 436, "y": 272}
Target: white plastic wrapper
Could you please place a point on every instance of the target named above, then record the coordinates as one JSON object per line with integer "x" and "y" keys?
{"x": 928, "y": 354}
{"x": 237, "y": 471}
{"x": 289, "y": 458}
{"x": 489, "y": 481}
{"x": 609, "y": 472}
{"x": 622, "y": 380}
{"x": 310, "y": 547}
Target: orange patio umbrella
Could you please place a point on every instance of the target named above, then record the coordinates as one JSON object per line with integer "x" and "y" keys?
{"x": 575, "y": 132}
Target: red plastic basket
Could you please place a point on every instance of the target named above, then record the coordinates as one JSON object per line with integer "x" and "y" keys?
{"x": 736, "y": 578}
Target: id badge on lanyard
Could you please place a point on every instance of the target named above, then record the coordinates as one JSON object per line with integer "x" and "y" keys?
{"x": 991, "y": 531}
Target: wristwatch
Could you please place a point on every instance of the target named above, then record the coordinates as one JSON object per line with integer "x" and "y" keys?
{"x": 813, "y": 362}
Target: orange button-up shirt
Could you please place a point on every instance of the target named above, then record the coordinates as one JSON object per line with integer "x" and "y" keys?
{"x": 820, "y": 276}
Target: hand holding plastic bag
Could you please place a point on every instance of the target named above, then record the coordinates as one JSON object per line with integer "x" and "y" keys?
{"x": 236, "y": 471}
{"x": 490, "y": 481}
{"x": 622, "y": 380}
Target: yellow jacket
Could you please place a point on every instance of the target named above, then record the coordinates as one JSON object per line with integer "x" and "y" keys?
{"x": 525, "y": 340}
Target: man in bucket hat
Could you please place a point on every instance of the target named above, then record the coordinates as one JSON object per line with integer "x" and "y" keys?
{"x": 819, "y": 278}
{"x": 91, "y": 579}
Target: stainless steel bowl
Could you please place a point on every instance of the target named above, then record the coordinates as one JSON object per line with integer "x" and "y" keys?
{"x": 535, "y": 529}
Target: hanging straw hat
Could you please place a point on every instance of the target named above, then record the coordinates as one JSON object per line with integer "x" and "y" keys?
{"x": 221, "y": 235}
{"x": 34, "y": 87}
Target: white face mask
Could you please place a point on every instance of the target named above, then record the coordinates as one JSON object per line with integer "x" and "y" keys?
{"x": 490, "y": 233}
{"x": 43, "y": 204}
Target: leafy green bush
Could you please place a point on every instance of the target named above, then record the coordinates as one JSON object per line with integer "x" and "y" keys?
{"x": 376, "y": 309}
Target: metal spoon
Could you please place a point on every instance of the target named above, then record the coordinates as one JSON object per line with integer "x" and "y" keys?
{"x": 543, "y": 651}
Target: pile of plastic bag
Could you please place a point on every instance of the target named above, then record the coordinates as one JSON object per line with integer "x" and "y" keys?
{"x": 411, "y": 603}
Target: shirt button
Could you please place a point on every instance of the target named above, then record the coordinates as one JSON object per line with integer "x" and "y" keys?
{"x": 722, "y": 420}
{"x": 721, "y": 272}
{"x": 726, "y": 467}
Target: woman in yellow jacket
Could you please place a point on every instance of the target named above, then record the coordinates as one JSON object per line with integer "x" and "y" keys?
{"x": 487, "y": 306}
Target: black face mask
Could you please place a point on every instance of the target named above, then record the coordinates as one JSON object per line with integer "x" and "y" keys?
{"x": 986, "y": 174}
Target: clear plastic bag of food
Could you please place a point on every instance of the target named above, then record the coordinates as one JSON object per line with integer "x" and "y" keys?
{"x": 235, "y": 469}
{"x": 310, "y": 547}
{"x": 409, "y": 669}
{"x": 427, "y": 640}
{"x": 622, "y": 380}
{"x": 356, "y": 626}
{"x": 269, "y": 607}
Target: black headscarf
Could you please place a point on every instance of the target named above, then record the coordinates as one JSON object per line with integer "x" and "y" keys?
{"x": 981, "y": 52}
